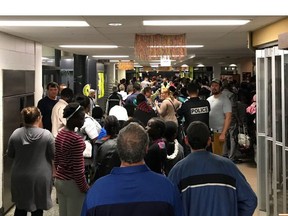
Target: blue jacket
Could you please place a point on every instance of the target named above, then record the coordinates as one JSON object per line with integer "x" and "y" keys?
{"x": 212, "y": 185}
{"x": 132, "y": 191}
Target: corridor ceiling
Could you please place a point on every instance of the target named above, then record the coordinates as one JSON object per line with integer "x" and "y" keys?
{"x": 222, "y": 44}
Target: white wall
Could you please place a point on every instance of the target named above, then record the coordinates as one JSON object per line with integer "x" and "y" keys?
{"x": 17, "y": 54}
{"x": 121, "y": 74}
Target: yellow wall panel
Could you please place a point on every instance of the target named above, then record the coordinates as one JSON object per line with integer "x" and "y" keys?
{"x": 269, "y": 33}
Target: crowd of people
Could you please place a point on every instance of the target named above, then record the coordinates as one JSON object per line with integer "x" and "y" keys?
{"x": 159, "y": 147}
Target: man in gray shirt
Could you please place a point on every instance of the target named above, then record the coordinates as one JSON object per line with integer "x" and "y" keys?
{"x": 219, "y": 116}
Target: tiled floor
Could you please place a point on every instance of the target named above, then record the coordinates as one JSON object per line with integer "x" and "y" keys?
{"x": 248, "y": 169}
{"x": 52, "y": 212}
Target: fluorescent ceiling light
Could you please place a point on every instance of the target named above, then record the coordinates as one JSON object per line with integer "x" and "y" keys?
{"x": 193, "y": 22}
{"x": 232, "y": 65}
{"x": 110, "y": 56}
{"x": 200, "y": 65}
{"x": 115, "y": 24}
{"x": 90, "y": 46}
{"x": 44, "y": 23}
{"x": 178, "y": 46}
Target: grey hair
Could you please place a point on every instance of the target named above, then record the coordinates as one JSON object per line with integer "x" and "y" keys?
{"x": 132, "y": 142}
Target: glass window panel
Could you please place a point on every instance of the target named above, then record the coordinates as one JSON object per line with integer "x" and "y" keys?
{"x": 279, "y": 176}
{"x": 286, "y": 95}
{"x": 278, "y": 98}
{"x": 262, "y": 180}
{"x": 285, "y": 188}
{"x": 261, "y": 94}
{"x": 269, "y": 98}
{"x": 270, "y": 197}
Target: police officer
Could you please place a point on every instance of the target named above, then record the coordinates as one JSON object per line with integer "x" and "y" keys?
{"x": 194, "y": 109}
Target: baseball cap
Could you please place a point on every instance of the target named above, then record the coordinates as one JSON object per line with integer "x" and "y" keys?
{"x": 215, "y": 80}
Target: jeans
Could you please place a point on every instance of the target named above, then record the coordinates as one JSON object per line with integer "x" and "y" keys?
{"x": 230, "y": 148}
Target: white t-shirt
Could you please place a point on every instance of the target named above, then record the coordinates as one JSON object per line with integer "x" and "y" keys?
{"x": 91, "y": 128}
{"x": 219, "y": 106}
{"x": 57, "y": 119}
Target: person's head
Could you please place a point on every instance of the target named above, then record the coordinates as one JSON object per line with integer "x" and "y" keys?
{"x": 136, "y": 87}
{"x": 84, "y": 101}
{"x": 92, "y": 93}
{"x": 30, "y": 115}
{"x": 74, "y": 114}
{"x": 130, "y": 88}
{"x": 165, "y": 93}
{"x": 216, "y": 86}
{"x": 67, "y": 95}
{"x": 193, "y": 88}
{"x": 198, "y": 135}
{"x": 172, "y": 89}
{"x": 122, "y": 87}
{"x": 132, "y": 143}
{"x": 183, "y": 91}
{"x": 52, "y": 90}
{"x": 147, "y": 91}
{"x": 111, "y": 125}
{"x": 140, "y": 98}
{"x": 171, "y": 130}
{"x": 156, "y": 128}
{"x": 130, "y": 109}
{"x": 97, "y": 112}
{"x": 114, "y": 89}
{"x": 119, "y": 112}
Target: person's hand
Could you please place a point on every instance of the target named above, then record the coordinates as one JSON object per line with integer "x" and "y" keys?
{"x": 156, "y": 103}
{"x": 222, "y": 137}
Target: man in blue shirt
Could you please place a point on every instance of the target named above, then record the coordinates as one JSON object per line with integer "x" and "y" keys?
{"x": 132, "y": 189}
{"x": 210, "y": 184}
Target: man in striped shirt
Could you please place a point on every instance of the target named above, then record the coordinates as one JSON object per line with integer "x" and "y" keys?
{"x": 210, "y": 184}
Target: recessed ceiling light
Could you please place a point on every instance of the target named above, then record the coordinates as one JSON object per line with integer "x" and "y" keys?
{"x": 178, "y": 46}
{"x": 110, "y": 56}
{"x": 89, "y": 46}
{"x": 115, "y": 24}
{"x": 44, "y": 23}
{"x": 193, "y": 22}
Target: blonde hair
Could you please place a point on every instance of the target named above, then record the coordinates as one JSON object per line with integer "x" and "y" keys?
{"x": 166, "y": 90}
